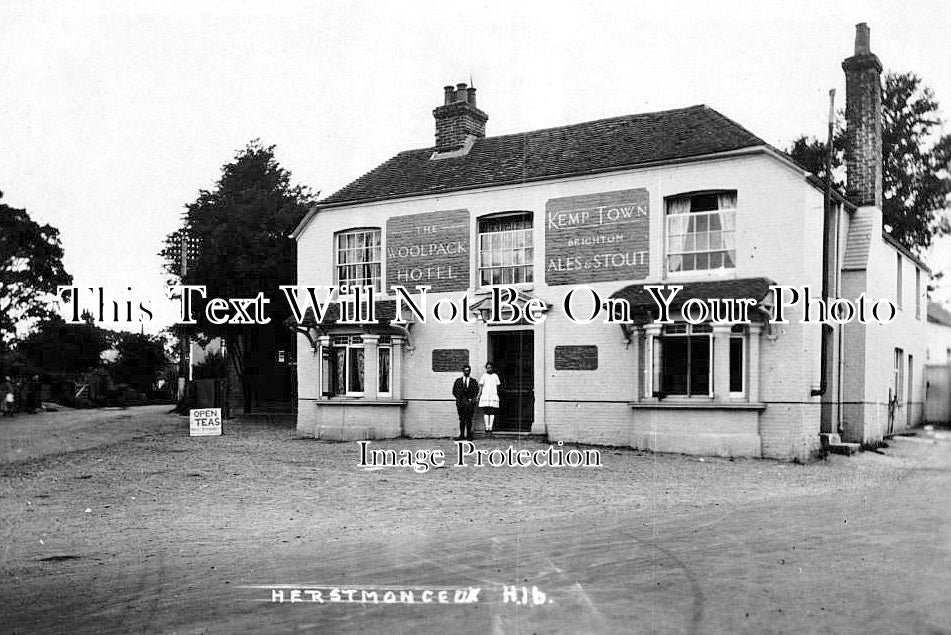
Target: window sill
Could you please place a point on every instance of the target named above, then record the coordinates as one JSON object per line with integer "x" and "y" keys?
{"x": 701, "y": 274}
{"x": 358, "y": 401}
{"x": 518, "y": 286}
{"x": 697, "y": 404}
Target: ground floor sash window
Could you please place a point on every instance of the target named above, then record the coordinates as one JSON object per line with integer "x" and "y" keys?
{"x": 683, "y": 360}
{"x": 347, "y": 365}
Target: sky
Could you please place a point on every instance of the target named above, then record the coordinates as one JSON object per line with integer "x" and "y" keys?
{"x": 113, "y": 115}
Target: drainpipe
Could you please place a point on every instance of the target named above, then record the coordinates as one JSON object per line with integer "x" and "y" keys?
{"x": 840, "y": 341}
{"x": 826, "y": 251}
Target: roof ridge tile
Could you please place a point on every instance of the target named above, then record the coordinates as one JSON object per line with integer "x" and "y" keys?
{"x": 610, "y": 143}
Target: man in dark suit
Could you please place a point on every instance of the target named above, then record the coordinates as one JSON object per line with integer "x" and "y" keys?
{"x": 466, "y": 391}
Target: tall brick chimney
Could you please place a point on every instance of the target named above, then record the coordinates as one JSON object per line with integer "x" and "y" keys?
{"x": 863, "y": 121}
{"x": 458, "y": 119}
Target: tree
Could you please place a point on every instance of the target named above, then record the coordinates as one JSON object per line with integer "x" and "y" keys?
{"x": 810, "y": 153}
{"x": 140, "y": 360}
{"x": 916, "y": 179}
{"x": 915, "y": 162}
{"x": 214, "y": 366}
{"x": 236, "y": 242}
{"x": 58, "y": 348}
{"x": 31, "y": 267}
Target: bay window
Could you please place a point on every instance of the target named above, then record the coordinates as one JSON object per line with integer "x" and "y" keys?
{"x": 347, "y": 364}
{"x": 693, "y": 361}
{"x": 701, "y": 232}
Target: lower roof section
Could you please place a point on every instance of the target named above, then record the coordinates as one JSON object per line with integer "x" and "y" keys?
{"x": 644, "y": 308}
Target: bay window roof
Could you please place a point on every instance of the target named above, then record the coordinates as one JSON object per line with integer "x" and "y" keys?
{"x": 385, "y": 311}
{"x": 644, "y": 308}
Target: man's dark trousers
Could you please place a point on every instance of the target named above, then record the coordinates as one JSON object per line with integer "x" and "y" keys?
{"x": 465, "y": 390}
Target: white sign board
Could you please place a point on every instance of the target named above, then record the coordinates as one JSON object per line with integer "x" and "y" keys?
{"x": 204, "y": 422}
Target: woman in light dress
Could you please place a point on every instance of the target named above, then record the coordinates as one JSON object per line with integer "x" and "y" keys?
{"x": 489, "y": 396}
{"x": 6, "y": 397}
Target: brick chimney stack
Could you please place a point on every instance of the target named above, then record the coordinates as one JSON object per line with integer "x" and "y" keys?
{"x": 863, "y": 121}
{"x": 458, "y": 119}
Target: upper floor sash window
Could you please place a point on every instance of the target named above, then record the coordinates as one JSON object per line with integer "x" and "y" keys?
{"x": 701, "y": 232}
{"x": 506, "y": 251}
{"x": 358, "y": 258}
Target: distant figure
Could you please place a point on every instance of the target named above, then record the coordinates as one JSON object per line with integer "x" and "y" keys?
{"x": 489, "y": 396}
{"x": 466, "y": 390}
{"x": 6, "y": 397}
{"x": 32, "y": 390}
{"x": 19, "y": 394}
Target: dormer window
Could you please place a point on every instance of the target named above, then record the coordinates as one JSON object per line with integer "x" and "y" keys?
{"x": 701, "y": 231}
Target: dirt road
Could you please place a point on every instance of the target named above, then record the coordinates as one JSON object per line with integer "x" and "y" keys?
{"x": 163, "y": 533}
{"x": 26, "y": 437}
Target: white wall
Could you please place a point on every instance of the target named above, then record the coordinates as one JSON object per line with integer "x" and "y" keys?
{"x": 938, "y": 343}
{"x": 779, "y": 223}
{"x": 907, "y": 332}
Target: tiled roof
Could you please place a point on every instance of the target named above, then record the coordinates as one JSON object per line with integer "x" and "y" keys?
{"x": 385, "y": 311}
{"x": 644, "y": 308}
{"x": 595, "y": 146}
{"x": 858, "y": 241}
{"x": 938, "y": 314}
{"x": 891, "y": 240}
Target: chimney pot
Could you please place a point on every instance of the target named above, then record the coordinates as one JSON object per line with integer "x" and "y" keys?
{"x": 458, "y": 119}
{"x": 862, "y": 39}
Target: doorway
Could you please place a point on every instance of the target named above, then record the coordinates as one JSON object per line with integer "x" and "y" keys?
{"x": 513, "y": 353}
{"x": 896, "y": 400}
{"x": 938, "y": 394}
{"x": 910, "y": 393}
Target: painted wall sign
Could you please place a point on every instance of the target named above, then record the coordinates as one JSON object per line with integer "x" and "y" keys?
{"x": 429, "y": 249}
{"x": 204, "y": 422}
{"x": 597, "y": 237}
